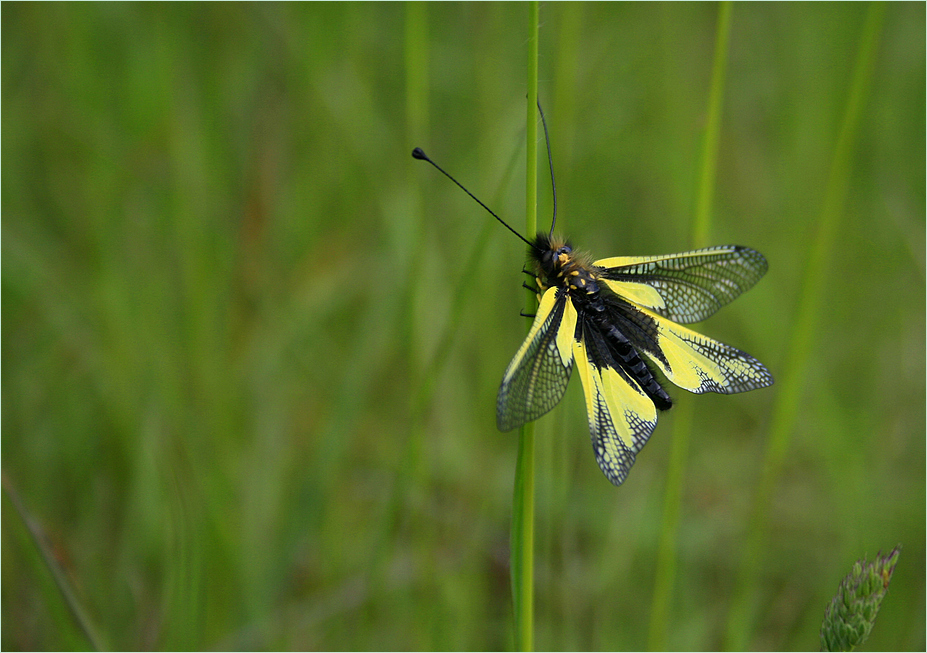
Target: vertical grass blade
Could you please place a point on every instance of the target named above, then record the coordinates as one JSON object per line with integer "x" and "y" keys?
{"x": 58, "y": 574}
{"x": 709, "y": 163}
{"x": 523, "y": 502}
{"x": 682, "y": 424}
{"x": 741, "y": 615}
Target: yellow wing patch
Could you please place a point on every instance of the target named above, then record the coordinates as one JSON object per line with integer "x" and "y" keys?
{"x": 700, "y": 364}
{"x": 639, "y": 293}
{"x": 621, "y": 416}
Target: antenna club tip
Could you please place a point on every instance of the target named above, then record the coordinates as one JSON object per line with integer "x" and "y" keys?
{"x": 419, "y": 153}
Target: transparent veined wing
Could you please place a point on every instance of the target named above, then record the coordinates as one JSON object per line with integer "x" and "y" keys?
{"x": 537, "y": 377}
{"x": 686, "y": 287}
{"x": 621, "y": 416}
{"x": 700, "y": 364}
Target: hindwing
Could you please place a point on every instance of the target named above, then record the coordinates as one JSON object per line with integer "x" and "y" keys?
{"x": 700, "y": 364}
{"x": 686, "y": 287}
{"x": 621, "y": 415}
{"x": 537, "y": 377}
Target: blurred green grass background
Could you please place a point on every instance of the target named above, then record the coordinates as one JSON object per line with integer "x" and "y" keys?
{"x": 251, "y": 348}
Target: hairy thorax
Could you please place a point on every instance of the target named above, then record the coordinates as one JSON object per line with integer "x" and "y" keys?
{"x": 558, "y": 265}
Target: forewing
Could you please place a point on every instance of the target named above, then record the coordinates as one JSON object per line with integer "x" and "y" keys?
{"x": 537, "y": 377}
{"x": 685, "y": 287}
{"x": 621, "y": 416}
{"x": 700, "y": 364}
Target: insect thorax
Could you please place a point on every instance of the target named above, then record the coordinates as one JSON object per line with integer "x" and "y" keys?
{"x": 556, "y": 264}
{"x": 601, "y": 315}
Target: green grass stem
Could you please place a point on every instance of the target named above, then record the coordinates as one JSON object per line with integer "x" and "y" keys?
{"x": 523, "y": 503}
{"x": 40, "y": 541}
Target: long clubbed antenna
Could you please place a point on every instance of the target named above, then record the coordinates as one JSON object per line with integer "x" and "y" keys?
{"x": 550, "y": 161}
{"x": 419, "y": 153}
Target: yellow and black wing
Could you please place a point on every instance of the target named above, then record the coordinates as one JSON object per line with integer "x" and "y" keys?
{"x": 686, "y": 287}
{"x": 621, "y": 415}
{"x": 537, "y": 377}
{"x": 700, "y": 364}
{"x": 690, "y": 360}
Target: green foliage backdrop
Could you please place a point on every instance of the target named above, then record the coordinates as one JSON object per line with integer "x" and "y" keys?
{"x": 251, "y": 348}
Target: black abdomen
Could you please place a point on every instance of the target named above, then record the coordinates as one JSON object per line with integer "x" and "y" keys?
{"x": 603, "y": 313}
